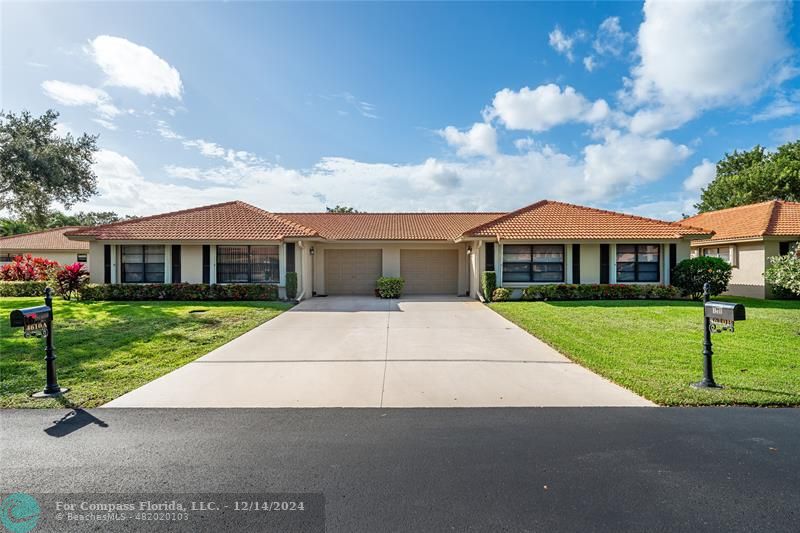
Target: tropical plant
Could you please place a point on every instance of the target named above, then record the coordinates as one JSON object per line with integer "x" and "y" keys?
{"x": 488, "y": 283}
{"x": 784, "y": 272}
{"x": 28, "y": 268}
{"x": 70, "y": 280}
{"x": 390, "y": 287}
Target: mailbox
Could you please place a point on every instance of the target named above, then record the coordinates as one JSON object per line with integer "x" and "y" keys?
{"x": 724, "y": 311}
{"x": 30, "y": 315}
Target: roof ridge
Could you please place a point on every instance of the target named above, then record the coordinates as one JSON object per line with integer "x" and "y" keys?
{"x": 160, "y": 215}
{"x": 392, "y": 213}
{"x": 771, "y": 217}
{"x": 735, "y": 207}
{"x": 63, "y": 228}
{"x": 505, "y": 217}
{"x": 310, "y": 231}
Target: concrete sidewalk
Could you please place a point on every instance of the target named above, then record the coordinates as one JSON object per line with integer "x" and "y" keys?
{"x": 367, "y": 352}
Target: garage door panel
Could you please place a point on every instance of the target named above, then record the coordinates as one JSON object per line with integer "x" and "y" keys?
{"x": 352, "y": 271}
{"x": 429, "y": 271}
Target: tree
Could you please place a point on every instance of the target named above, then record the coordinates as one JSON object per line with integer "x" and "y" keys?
{"x": 341, "y": 209}
{"x": 12, "y": 226}
{"x": 39, "y": 167}
{"x": 752, "y": 176}
{"x": 784, "y": 273}
{"x": 58, "y": 219}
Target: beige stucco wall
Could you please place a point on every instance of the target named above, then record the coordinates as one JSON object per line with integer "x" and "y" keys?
{"x": 390, "y": 258}
{"x": 63, "y": 258}
{"x": 590, "y": 263}
{"x": 747, "y": 277}
{"x": 191, "y": 263}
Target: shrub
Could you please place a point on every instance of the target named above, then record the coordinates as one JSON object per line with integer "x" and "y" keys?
{"x": 691, "y": 274}
{"x": 28, "y": 268}
{"x": 180, "y": 291}
{"x": 291, "y": 285}
{"x": 22, "y": 288}
{"x": 488, "y": 283}
{"x": 390, "y": 287}
{"x": 70, "y": 279}
{"x": 784, "y": 273}
{"x": 501, "y": 295}
{"x": 601, "y": 292}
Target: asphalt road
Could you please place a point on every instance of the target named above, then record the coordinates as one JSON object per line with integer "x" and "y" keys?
{"x": 545, "y": 469}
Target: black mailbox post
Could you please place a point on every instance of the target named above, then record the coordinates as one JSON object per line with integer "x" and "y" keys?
{"x": 38, "y": 322}
{"x": 717, "y": 317}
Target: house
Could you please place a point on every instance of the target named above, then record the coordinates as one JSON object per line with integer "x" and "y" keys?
{"x": 50, "y": 244}
{"x": 746, "y": 237}
{"x": 344, "y": 253}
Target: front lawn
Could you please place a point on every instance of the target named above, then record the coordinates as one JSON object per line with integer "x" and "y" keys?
{"x": 105, "y": 349}
{"x": 655, "y": 348}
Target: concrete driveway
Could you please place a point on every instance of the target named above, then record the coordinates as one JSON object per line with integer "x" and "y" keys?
{"x": 367, "y": 352}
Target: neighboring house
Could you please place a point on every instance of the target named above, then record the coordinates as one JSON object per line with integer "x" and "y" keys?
{"x": 746, "y": 237}
{"x": 344, "y": 253}
{"x": 50, "y": 244}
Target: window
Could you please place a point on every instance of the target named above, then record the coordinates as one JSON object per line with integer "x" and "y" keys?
{"x": 143, "y": 264}
{"x": 247, "y": 264}
{"x": 6, "y": 258}
{"x": 638, "y": 262}
{"x": 533, "y": 262}
{"x": 723, "y": 252}
{"x": 82, "y": 258}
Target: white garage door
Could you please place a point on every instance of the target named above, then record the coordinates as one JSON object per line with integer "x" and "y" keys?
{"x": 429, "y": 271}
{"x": 352, "y": 271}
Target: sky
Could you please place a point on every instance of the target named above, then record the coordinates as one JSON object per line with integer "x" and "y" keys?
{"x": 407, "y": 106}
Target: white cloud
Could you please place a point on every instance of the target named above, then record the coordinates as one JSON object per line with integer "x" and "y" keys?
{"x": 545, "y": 106}
{"x": 73, "y": 94}
{"x": 480, "y": 139}
{"x": 105, "y": 123}
{"x": 701, "y": 175}
{"x": 699, "y": 55}
{"x": 206, "y": 148}
{"x": 130, "y": 65}
{"x": 589, "y": 63}
{"x": 625, "y": 160}
{"x": 561, "y": 43}
{"x": 610, "y": 39}
{"x": 786, "y": 134}
{"x": 782, "y": 106}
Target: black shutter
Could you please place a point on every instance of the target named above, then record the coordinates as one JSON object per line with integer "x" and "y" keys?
{"x": 783, "y": 248}
{"x": 176, "y": 263}
{"x": 576, "y": 264}
{"x": 673, "y": 258}
{"x": 107, "y": 263}
{"x": 605, "y": 264}
{"x": 290, "y": 257}
{"x": 489, "y": 261}
{"x": 206, "y": 263}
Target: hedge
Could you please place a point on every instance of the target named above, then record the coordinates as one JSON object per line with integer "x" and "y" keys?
{"x": 180, "y": 291}
{"x": 602, "y": 292}
{"x": 390, "y": 287}
{"x": 488, "y": 283}
{"x": 291, "y": 285}
{"x": 22, "y": 288}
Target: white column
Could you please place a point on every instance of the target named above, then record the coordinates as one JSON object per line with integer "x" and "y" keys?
{"x": 114, "y": 262}
{"x": 567, "y": 263}
{"x": 212, "y": 267}
{"x": 498, "y": 264}
{"x": 612, "y": 262}
{"x": 282, "y": 264}
{"x": 666, "y": 248}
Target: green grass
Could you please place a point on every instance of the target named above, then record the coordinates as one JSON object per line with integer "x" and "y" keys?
{"x": 655, "y": 348}
{"x": 105, "y": 349}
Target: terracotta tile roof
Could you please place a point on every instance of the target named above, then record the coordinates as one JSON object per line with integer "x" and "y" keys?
{"x": 557, "y": 220}
{"x": 391, "y": 226}
{"x": 775, "y": 217}
{"x": 226, "y": 221}
{"x": 51, "y": 239}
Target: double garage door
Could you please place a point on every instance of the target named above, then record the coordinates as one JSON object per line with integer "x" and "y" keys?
{"x": 424, "y": 271}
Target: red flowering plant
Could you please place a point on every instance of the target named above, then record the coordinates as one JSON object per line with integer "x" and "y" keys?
{"x": 28, "y": 268}
{"x": 71, "y": 279}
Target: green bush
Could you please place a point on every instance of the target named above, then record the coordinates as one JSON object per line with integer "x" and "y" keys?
{"x": 501, "y": 295}
{"x": 291, "y": 285}
{"x": 691, "y": 274}
{"x": 488, "y": 283}
{"x": 390, "y": 287}
{"x": 601, "y": 292}
{"x": 22, "y": 288}
{"x": 783, "y": 274}
{"x": 179, "y": 291}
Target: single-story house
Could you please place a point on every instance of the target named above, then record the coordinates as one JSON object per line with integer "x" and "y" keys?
{"x": 50, "y": 244}
{"x": 345, "y": 253}
{"x": 747, "y": 236}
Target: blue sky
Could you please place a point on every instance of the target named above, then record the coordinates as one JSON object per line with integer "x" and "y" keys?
{"x": 407, "y": 107}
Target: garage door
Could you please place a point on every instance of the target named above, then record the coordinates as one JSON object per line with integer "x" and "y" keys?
{"x": 429, "y": 271}
{"x": 352, "y": 271}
